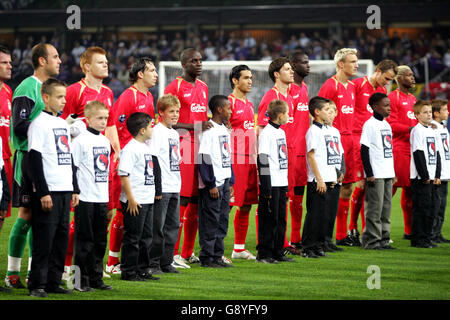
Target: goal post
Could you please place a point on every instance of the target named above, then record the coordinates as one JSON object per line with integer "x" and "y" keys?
{"x": 216, "y": 73}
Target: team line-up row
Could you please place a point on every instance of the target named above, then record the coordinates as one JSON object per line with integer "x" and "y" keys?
{"x": 162, "y": 179}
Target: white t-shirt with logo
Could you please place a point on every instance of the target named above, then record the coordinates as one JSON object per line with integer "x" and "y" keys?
{"x": 91, "y": 155}
{"x": 443, "y": 139}
{"x": 272, "y": 141}
{"x": 328, "y": 151}
{"x": 377, "y": 136}
{"x": 50, "y": 136}
{"x": 165, "y": 144}
{"x": 216, "y": 142}
{"x": 136, "y": 163}
{"x": 424, "y": 139}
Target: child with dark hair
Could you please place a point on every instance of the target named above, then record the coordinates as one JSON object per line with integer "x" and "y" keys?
{"x": 378, "y": 163}
{"x": 140, "y": 177}
{"x": 215, "y": 185}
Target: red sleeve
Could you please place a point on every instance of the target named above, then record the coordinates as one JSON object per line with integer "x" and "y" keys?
{"x": 398, "y": 128}
{"x": 328, "y": 90}
{"x": 111, "y": 111}
{"x": 171, "y": 88}
{"x": 263, "y": 118}
{"x": 71, "y": 101}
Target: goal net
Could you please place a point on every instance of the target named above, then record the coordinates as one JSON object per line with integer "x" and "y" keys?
{"x": 216, "y": 73}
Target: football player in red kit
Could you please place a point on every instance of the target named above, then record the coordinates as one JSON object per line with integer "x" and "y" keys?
{"x": 193, "y": 96}
{"x": 94, "y": 65}
{"x": 5, "y": 116}
{"x": 385, "y": 72}
{"x": 341, "y": 90}
{"x": 136, "y": 98}
{"x": 282, "y": 74}
{"x": 402, "y": 120}
{"x": 243, "y": 141}
{"x": 298, "y": 177}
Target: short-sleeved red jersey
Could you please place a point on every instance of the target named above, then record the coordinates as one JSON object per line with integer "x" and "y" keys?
{"x": 79, "y": 94}
{"x": 344, "y": 98}
{"x": 243, "y": 136}
{"x": 263, "y": 117}
{"x": 193, "y": 99}
{"x": 301, "y": 116}
{"x": 363, "y": 90}
{"x": 401, "y": 118}
{"x": 5, "y": 118}
{"x": 131, "y": 101}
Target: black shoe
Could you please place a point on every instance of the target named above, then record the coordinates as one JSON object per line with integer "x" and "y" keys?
{"x": 347, "y": 241}
{"x": 38, "y": 293}
{"x": 59, "y": 290}
{"x": 156, "y": 270}
{"x": 334, "y": 247}
{"x": 354, "y": 236}
{"x": 320, "y": 253}
{"x": 422, "y": 245}
{"x": 102, "y": 286}
{"x": 267, "y": 260}
{"x": 443, "y": 240}
{"x": 210, "y": 264}
{"x": 148, "y": 276}
{"x": 309, "y": 254}
{"x": 407, "y": 236}
{"x": 5, "y": 290}
{"x": 135, "y": 277}
{"x": 224, "y": 264}
{"x": 432, "y": 244}
{"x": 388, "y": 247}
{"x": 84, "y": 289}
{"x": 169, "y": 269}
{"x": 327, "y": 248}
{"x": 284, "y": 259}
{"x": 292, "y": 250}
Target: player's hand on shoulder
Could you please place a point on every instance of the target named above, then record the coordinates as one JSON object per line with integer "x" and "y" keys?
{"x": 206, "y": 125}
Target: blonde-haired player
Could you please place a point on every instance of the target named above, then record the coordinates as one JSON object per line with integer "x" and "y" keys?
{"x": 341, "y": 90}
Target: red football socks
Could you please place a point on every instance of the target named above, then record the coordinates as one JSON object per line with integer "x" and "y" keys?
{"x": 115, "y": 238}
{"x": 406, "y": 204}
{"x": 240, "y": 229}
{"x": 190, "y": 230}
{"x": 341, "y": 218}
{"x": 357, "y": 206}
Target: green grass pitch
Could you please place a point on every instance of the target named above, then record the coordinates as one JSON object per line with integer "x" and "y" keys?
{"x": 406, "y": 273}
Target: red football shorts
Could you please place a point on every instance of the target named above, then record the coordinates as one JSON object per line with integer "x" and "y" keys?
{"x": 350, "y": 163}
{"x": 297, "y": 171}
{"x": 359, "y": 168}
{"x": 246, "y": 181}
{"x": 188, "y": 167}
{"x": 9, "y": 175}
{"x": 402, "y": 165}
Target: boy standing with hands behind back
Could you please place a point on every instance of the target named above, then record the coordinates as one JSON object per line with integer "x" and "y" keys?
{"x": 215, "y": 185}
{"x": 425, "y": 171}
{"x": 378, "y": 163}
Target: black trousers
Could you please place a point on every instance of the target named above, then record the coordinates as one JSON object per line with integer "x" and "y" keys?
{"x": 213, "y": 222}
{"x": 50, "y": 239}
{"x": 136, "y": 241}
{"x": 91, "y": 224}
{"x": 272, "y": 224}
{"x": 166, "y": 225}
{"x": 422, "y": 216}
{"x": 321, "y": 210}
{"x": 439, "y": 198}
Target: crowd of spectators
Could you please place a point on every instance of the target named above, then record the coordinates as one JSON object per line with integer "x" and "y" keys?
{"x": 234, "y": 46}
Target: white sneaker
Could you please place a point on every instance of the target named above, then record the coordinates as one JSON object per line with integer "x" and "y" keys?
{"x": 226, "y": 260}
{"x": 391, "y": 241}
{"x": 115, "y": 269}
{"x": 247, "y": 255}
{"x": 105, "y": 275}
{"x": 179, "y": 262}
{"x": 66, "y": 273}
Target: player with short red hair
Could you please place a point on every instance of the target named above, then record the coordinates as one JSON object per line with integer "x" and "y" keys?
{"x": 94, "y": 65}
